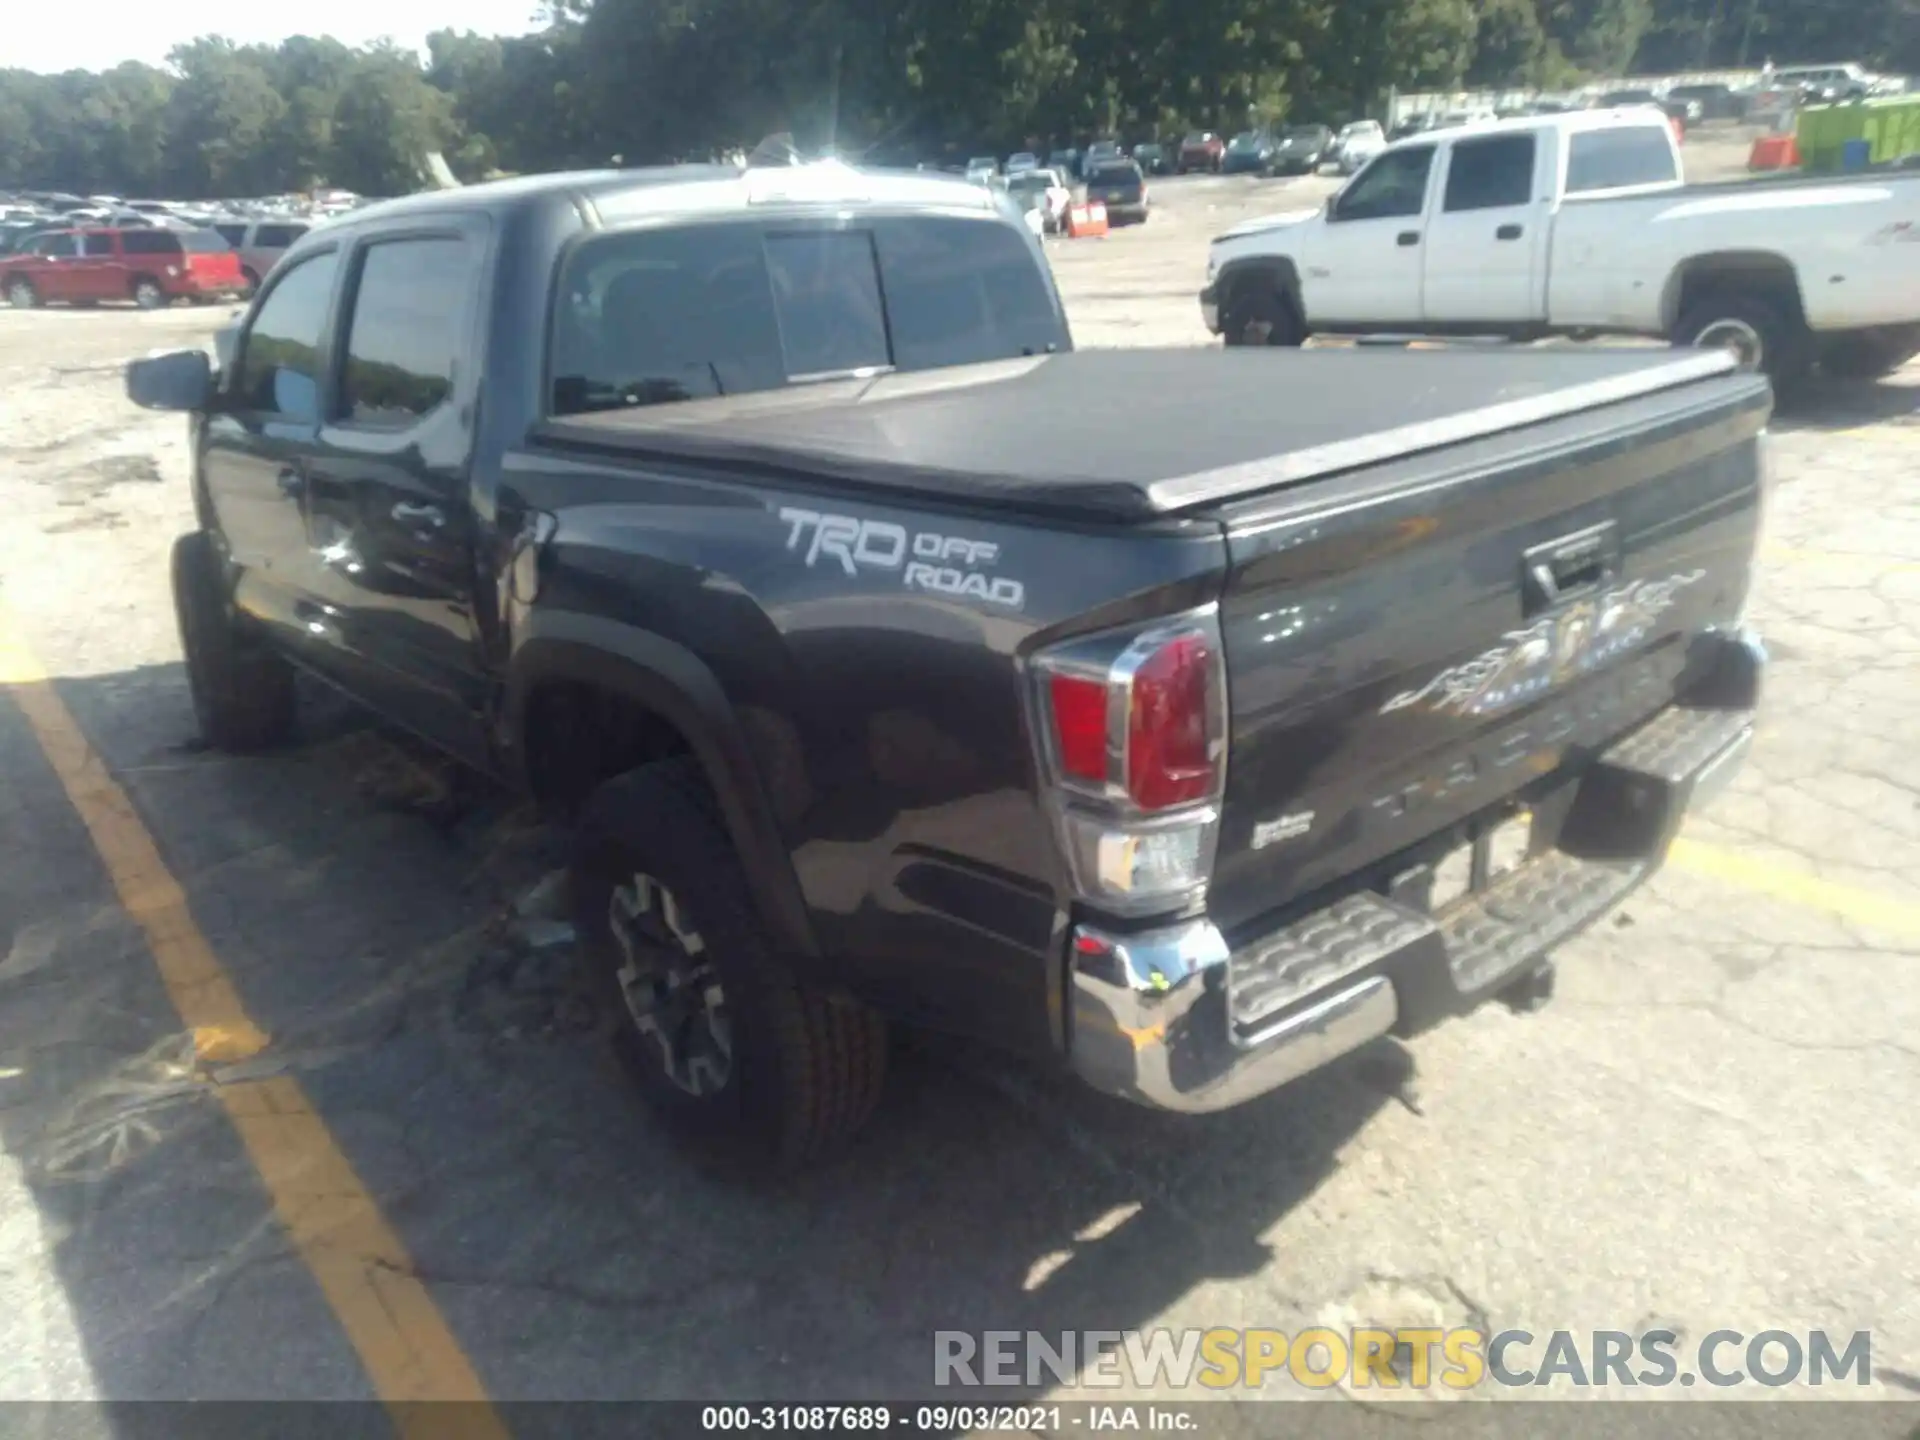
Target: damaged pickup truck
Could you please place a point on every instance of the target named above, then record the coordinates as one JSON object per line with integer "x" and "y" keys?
{"x": 729, "y": 514}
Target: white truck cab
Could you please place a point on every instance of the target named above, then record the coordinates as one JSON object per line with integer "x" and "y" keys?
{"x": 1581, "y": 223}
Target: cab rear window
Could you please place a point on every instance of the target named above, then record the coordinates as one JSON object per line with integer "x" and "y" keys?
{"x": 1614, "y": 158}
{"x": 655, "y": 316}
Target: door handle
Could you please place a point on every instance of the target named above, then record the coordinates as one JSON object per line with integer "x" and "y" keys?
{"x": 290, "y": 481}
{"x": 1507, "y": 232}
{"x": 1409, "y": 237}
{"x": 408, "y": 513}
{"x": 1568, "y": 566}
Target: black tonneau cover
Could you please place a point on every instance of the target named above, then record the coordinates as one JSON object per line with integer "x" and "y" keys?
{"x": 1134, "y": 434}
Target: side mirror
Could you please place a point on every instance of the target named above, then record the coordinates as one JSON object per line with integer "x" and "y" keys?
{"x": 171, "y": 380}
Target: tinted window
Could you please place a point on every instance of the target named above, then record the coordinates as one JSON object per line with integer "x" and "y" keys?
{"x": 279, "y": 371}
{"x": 277, "y": 237}
{"x": 149, "y": 242}
{"x": 663, "y": 315}
{"x": 1394, "y": 185}
{"x": 962, "y": 291}
{"x": 201, "y": 242}
{"x": 232, "y": 234}
{"x": 1604, "y": 159}
{"x": 56, "y": 245}
{"x": 96, "y": 245}
{"x": 1487, "y": 174}
{"x": 408, "y": 325}
{"x": 828, "y": 293}
{"x": 676, "y": 314}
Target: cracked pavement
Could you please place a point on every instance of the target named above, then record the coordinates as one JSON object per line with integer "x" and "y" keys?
{"x": 1714, "y": 1124}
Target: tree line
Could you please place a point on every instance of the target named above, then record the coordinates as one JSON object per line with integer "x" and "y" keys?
{"x": 637, "y": 81}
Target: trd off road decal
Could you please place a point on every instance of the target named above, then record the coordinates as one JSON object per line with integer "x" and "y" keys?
{"x": 925, "y": 560}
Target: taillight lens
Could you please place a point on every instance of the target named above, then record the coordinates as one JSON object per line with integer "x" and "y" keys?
{"x": 1080, "y": 726}
{"x": 1170, "y": 758}
{"x": 1134, "y": 735}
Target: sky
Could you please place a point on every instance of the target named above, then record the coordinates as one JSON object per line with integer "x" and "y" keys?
{"x": 52, "y": 37}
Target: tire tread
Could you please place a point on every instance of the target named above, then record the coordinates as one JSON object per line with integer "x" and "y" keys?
{"x": 831, "y": 1050}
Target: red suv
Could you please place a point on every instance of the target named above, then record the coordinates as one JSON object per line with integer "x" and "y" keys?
{"x": 1202, "y": 150}
{"x": 151, "y": 267}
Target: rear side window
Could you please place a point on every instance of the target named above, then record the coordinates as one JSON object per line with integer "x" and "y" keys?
{"x": 407, "y": 329}
{"x": 826, "y": 292}
{"x": 1609, "y": 159}
{"x": 653, "y": 316}
{"x": 279, "y": 370}
{"x": 96, "y": 245}
{"x": 277, "y": 237}
{"x": 1490, "y": 174}
{"x": 149, "y": 242}
{"x": 232, "y": 234}
{"x": 962, "y": 291}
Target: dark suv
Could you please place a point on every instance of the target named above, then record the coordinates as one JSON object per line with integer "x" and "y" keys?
{"x": 1119, "y": 185}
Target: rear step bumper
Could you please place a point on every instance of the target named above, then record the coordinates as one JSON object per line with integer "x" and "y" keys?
{"x": 1175, "y": 1019}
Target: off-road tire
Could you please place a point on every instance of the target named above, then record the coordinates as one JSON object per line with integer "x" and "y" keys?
{"x": 21, "y": 294}
{"x": 243, "y": 694}
{"x": 1867, "y": 357}
{"x": 148, "y": 295}
{"x": 806, "y": 1067}
{"x": 1786, "y": 345}
{"x": 1254, "y": 305}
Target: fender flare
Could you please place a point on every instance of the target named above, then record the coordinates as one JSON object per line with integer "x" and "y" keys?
{"x": 1278, "y": 271}
{"x": 670, "y": 680}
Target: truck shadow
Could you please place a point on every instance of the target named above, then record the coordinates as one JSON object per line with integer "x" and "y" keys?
{"x": 386, "y": 925}
{"x": 1828, "y": 405}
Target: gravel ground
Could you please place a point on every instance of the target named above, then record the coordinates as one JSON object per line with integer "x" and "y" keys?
{"x": 1714, "y": 1125}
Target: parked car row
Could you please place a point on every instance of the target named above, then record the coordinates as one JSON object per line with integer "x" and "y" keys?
{"x": 1783, "y": 89}
{"x": 1300, "y": 149}
{"x": 60, "y": 248}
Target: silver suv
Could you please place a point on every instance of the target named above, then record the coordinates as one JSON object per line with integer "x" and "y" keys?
{"x": 260, "y": 244}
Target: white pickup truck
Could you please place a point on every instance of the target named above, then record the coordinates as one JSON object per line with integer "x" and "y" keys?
{"x": 1581, "y": 224}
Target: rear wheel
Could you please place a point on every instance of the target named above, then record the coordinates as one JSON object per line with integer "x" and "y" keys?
{"x": 243, "y": 693}
{"x": 20, "y": 293}
{"x": 250, "y": 282}
{"x": 147, "y": 293}
{"x": 1758, "y": 331}
{"x": 1257, "y": 315}
{"x": 737, "y": 1056}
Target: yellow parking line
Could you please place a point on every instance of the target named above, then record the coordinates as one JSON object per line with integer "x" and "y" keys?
{"x": 1849, "y": 902}
{"x": 360, "y": 1263}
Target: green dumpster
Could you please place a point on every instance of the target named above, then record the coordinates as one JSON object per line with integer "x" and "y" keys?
{"x": 1890, "y": 126}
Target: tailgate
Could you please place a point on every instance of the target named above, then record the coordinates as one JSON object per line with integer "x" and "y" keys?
{"x": 213, "y": 267}
{"x": 1409, "y": 644}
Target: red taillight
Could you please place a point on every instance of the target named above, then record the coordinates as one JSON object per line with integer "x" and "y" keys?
{"x": 1169, "y": 747}
{"x": 1134, "y": 751}
{"x": 1080, "y": 726}
{"x": 1167, "y": 683}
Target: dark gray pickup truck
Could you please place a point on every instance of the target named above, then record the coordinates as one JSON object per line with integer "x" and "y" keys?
{"x": 1190, "y": 716}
